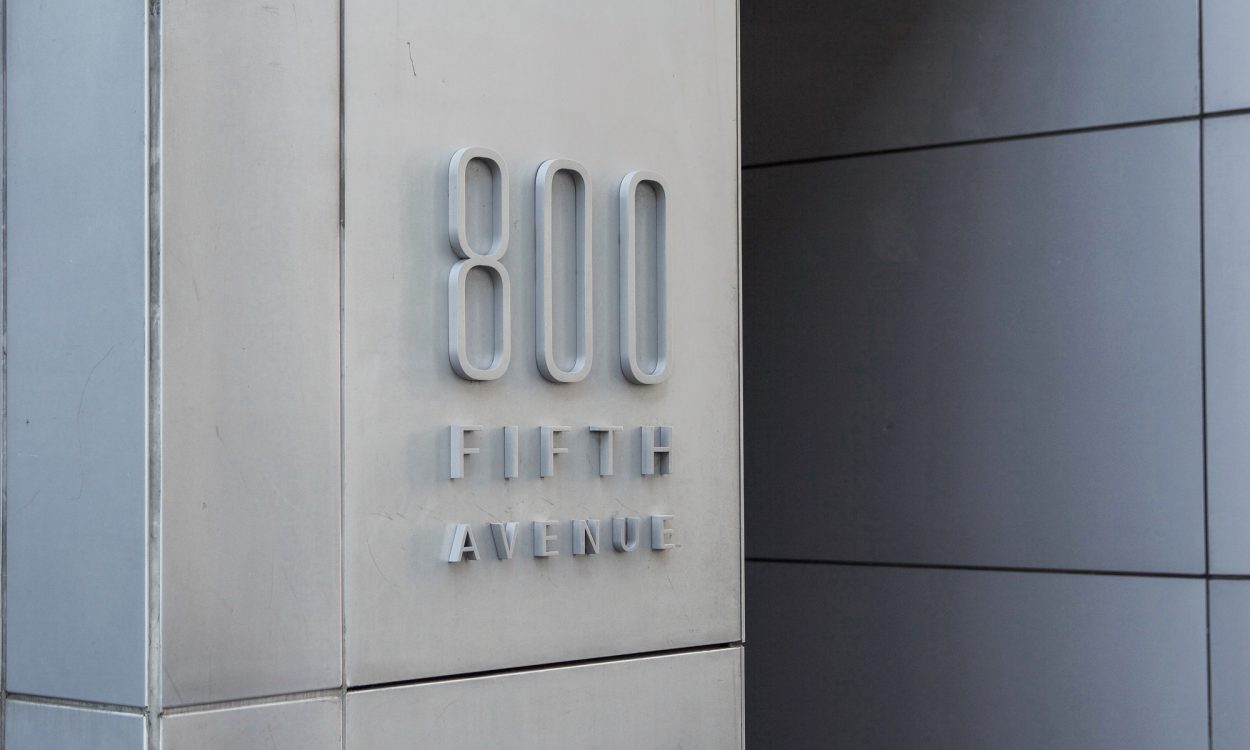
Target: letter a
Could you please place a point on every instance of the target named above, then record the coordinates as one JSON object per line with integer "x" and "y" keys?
{"x": 463, "y": 546}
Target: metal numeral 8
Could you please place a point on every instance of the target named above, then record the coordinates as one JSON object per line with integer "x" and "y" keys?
{"x": 489, "y": 261}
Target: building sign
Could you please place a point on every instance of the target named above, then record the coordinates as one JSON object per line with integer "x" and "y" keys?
{"x": 655, "y": 442}
{"x": 540, "y": 326}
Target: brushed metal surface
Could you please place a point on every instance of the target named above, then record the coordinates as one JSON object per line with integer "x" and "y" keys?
{"x": 296, "y": 725}
{"x": 690, "y": 700}
{"x": 40, "y": 726}
{"x": 1225, "y": 54}
{"x": 618, "y": 87}
{"x": 251, "y": 512}
{"x": 824, "y": 78}
{"x": 991, "y": 355}
{"x": 75, "y": 452}
{"x": 871, "y": 657}
{"x": 1226, "y": 153}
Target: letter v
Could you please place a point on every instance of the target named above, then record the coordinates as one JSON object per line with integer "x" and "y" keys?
{"x": 505, "y": 538}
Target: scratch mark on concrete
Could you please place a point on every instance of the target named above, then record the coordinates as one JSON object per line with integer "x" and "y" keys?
{"x": 172, "y": 683}
{"x": 369, "y": 546}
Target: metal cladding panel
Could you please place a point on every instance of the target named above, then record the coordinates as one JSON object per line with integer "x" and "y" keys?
{"x": 299, "y": 725}
{"x": 41, "y": 726}
{"x": 250, "y": 402}
{"x": 1225, "y": 54}
{"x": 691, "y": 700}
{"x": 992, "y": 355}
{"x": 618, "y": 87}
{"x": 75, "y": 452}
{"x": 911, "y": 658}
{"x": 1230, "y": 664}
{"x": 1226, "y": 155}
{"x": 846, "y": 76}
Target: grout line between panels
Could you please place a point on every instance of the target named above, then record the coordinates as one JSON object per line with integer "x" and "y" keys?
{"x": 1202, "y": 340}
{"x": 263, "y": 700}
{"x": 1201, "y": 295}
{"x": 153, "y": 384}
{"x": 993, "y": 139}
{"x": 4, "y": 362}
{"x": 81, "y": 705}
{"x": 982, "y": 568}
{"x": 341, "y": 693}
{"x": 1224, "y": 113}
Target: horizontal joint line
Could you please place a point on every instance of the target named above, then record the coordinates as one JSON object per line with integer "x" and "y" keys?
{"x": 982, "y": 568}
{"x": 980, "y": 141}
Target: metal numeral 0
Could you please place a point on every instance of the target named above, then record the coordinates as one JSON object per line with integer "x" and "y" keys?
{"x": 634, "y": 372}
{"x": 545, "y": 348}
{"x": 490, "y": 261}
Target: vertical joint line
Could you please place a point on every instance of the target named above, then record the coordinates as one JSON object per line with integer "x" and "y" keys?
{"x": 1202, "y": 296}
{"x": 4, "y": 362}
{"x": 155, "y": 699}
{"x": 342, "y": 421}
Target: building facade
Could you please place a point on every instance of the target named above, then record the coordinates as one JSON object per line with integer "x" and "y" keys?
{"x": 372, "y": 375}
{"x": 1002, "y": 248}
{"x": 389, "y": 375}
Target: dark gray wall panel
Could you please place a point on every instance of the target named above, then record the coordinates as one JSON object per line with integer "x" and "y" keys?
{"x": 1226, "y": 54}
{"x": 864, "y": 657}
{"x": 39, "y": 726}
{"x": 1227, "y": 174}
{"x": 77, "y": 310}
{"x": 981, "y": 355}
{"x": 822, "y": 78}
{"x": 1230, "y": 664}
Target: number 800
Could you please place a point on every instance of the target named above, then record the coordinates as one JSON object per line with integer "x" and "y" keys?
{"x": 490, "y": 262}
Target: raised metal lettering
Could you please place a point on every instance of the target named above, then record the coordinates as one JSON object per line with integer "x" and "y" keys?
{"x": 625, "y": 533}
{"x": 604, "y": 434}
{"x": 657, "y": 454}
{"x": 661, "y": 534}
{"x": 504, "y": 535}
{"x": 463, "y": 545}
{"x": 547, "y": 448}
{"x": 511, "y": 452}
{"x": 543, "y": 536}
{"x": 545, "y": 335}
{"x": 457, "y": 450}
{"x": 632, "y": 370}
{"x": 586, "y": 536}
{"x": 457, "y": 336}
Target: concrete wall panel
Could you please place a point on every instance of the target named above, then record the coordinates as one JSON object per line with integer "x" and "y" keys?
{"x": 250, "y": 474}
{"x": 76, "y": 350}
{"x": 690, "y": 700}
{"x": 299, "y": 725}
{"x": 646, "y": 85}
{"x": 41, "y": 726}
